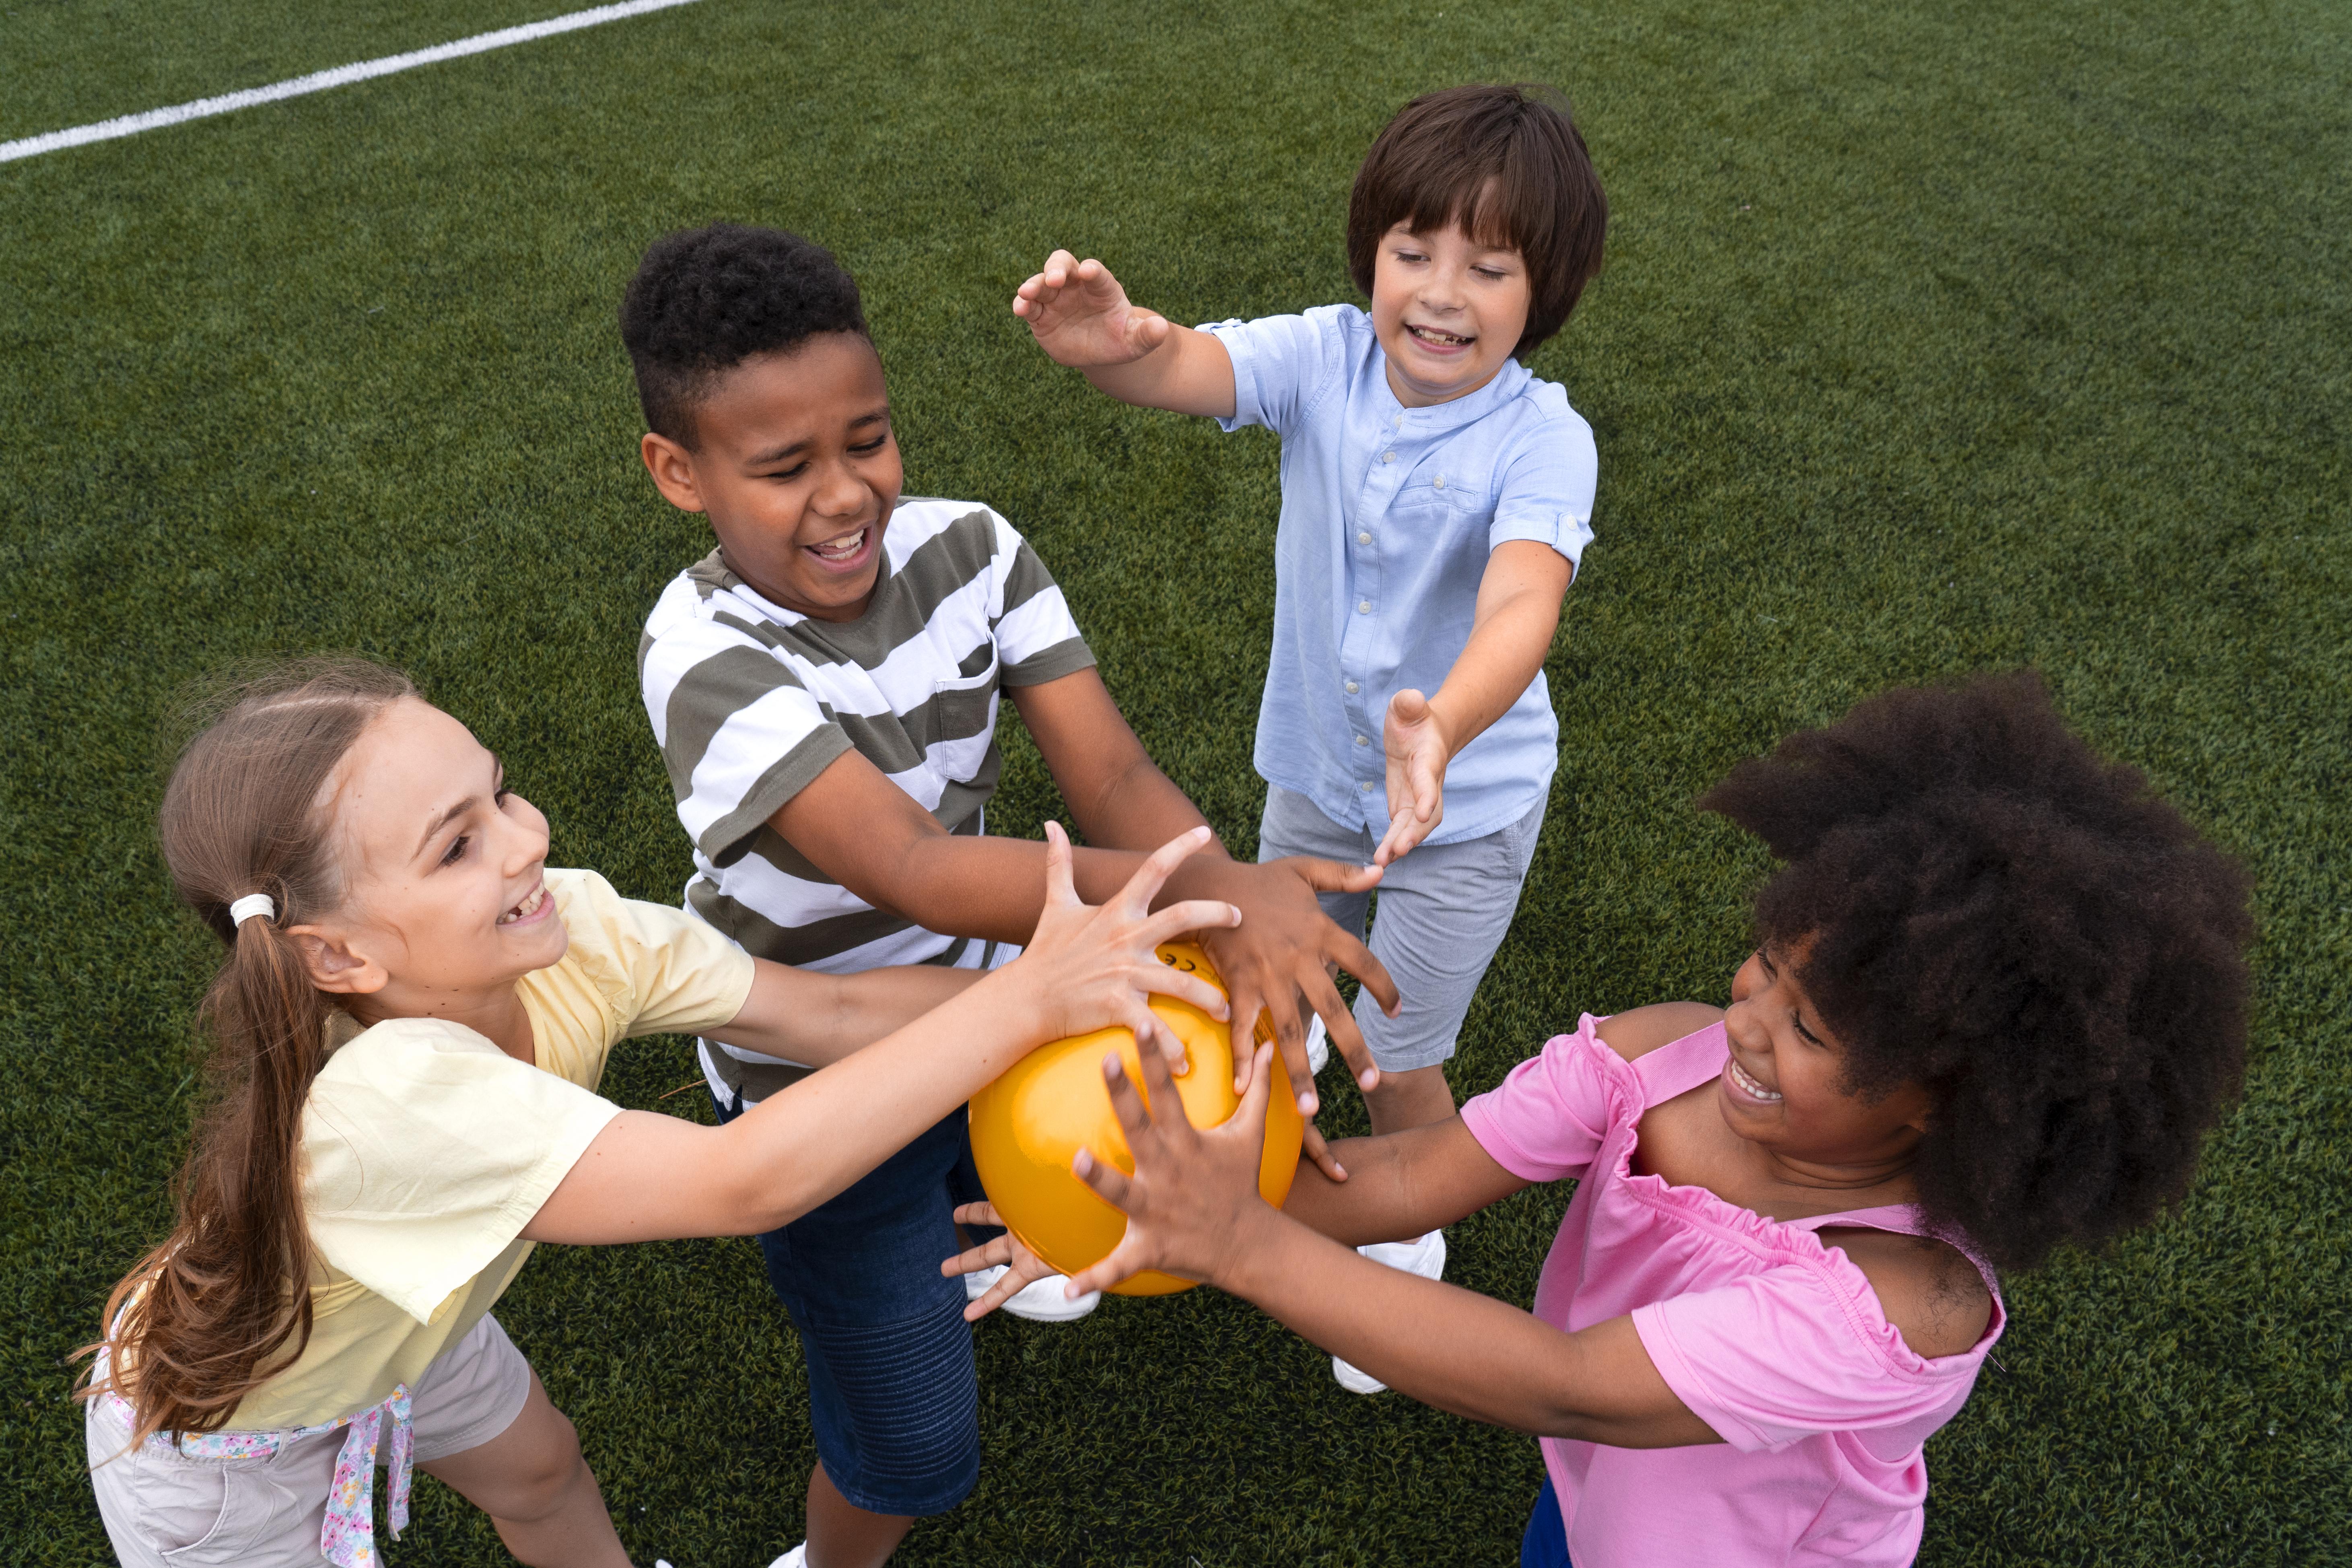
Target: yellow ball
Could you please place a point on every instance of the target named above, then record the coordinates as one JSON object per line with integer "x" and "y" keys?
{"x": 1028, "y": 1125}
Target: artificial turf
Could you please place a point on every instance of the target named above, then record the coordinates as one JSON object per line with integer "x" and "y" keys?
{"x": 1932, "y": 339}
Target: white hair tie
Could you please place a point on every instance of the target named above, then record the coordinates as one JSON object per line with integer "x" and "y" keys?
{"x": 252, "y": 904}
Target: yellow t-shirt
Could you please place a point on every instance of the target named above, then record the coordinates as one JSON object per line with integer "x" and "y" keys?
{"x": 427, "y": 1149}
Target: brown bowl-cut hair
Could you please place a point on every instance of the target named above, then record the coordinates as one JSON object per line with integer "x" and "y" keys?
{"x": 1508, "y": 165}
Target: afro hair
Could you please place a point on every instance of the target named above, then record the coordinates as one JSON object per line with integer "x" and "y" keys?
{"x": 706, "y": 300}
{"x": 1987, "y": 908}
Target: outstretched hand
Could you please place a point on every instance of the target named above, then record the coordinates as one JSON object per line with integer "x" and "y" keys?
{"x": 1081, "y": 317}
{"x": 1022, "y": 1267}
{"x": 1418, "y": 749}
{"x": 1192, "y": 1205}
{"x": 1090, "y": 968}
{"x": 1285, "y": 952}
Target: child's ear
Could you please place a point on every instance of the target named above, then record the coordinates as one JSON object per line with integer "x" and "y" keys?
{"x": 335, "y": 964}
{"x": 672, "y": 467}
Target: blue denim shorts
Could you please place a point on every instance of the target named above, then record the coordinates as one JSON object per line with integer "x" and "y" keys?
{"x": 892, "y": 1394}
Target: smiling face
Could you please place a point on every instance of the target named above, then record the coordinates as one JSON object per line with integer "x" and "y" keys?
{"x": 795, "y": 465}
{"x": 1447, "y": 310}
{"x": 444, "y": 900}
{"x": 1782, "y": 1088}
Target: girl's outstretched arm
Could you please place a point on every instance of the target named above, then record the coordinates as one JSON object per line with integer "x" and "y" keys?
{"x": 1192, "y": 1209}
{"x": 804, "y": 1016}
{"x": 1400, "y": 1185}
{"x": 647, "y": 1176}
{"x": 1391, "y": 1188}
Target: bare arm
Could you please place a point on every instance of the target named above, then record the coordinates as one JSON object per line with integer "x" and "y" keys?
{"x": 804, "y": 1016}
{"x": 1192, "y": 1208}
{"x": 1081, "y": 317}
{"x": 1285, "y": 947}
{"x": 1117, "y": 793}
{"x": 1518, "y": 612}
{"x": 648, "y": 1176}
{"x": 1400, "y": 1186}
{"x": 869, "y": 836}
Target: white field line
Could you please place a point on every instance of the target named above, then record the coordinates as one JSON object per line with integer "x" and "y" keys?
{"x": 318, "y": 82}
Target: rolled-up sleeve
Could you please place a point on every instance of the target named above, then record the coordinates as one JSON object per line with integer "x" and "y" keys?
{"x": 1547, "y": 488}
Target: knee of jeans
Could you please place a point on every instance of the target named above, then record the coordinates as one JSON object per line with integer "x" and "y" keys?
{"x": 911, "y": 1395}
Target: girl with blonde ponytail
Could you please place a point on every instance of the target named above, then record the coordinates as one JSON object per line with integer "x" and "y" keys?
{"x": 406, "y": 1038}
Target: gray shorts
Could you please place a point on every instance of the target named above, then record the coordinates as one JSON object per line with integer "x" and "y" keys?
{"x": 1443, "y": 908}
{"x": 164, "y": 1510}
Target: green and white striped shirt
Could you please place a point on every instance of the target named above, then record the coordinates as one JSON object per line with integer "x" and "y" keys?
{"x": 749, "y": 701}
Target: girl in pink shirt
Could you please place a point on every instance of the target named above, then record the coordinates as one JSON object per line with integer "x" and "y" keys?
{"x": 1998, "y": 997}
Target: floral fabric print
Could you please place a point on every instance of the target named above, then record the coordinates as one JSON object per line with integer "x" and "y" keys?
{"x": 347, "y": 1535}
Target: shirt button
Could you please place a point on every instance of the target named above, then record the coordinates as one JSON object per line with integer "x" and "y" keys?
{"x": 1363, "y": 538}
{"x": 1363, "y": 606}
{"x": 1388, "y": 457}
{"x": 1440, "y": 481}
{"x": 1352, "y": 689}
{"x": 1366, "y": 786}
{"x": 1362, "y": 742}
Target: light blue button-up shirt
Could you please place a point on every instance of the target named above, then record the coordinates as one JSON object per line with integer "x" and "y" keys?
{"x": 1388, "y": 516}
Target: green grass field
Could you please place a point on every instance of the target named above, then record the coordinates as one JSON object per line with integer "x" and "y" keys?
{"x": 1932, "y": 339}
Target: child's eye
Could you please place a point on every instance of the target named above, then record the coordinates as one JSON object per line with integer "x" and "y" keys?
{"x": 875, "y": 445}
{"x": 500, "y": 797}
{"x": 456, "y": 850}
{"x": 795, "y": 471}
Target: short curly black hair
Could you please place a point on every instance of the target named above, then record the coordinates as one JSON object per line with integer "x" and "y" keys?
{"x": 706, "y": 300}
{"x": 1987, "y": 908}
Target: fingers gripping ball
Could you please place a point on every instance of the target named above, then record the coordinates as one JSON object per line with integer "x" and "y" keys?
{"x": 1028, "y": 1125}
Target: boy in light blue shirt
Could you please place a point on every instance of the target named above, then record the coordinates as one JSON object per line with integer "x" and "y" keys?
{"x": 1435, "y": 499}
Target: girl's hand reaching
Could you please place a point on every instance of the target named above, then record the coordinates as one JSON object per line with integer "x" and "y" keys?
{"x": 1192, "y": 1205}
{"x": 1089, "y": 968}
{"x": 1081, "y": 317}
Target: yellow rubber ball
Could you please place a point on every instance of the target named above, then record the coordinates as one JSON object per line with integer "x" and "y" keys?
{"x": 1028, "y": 1125}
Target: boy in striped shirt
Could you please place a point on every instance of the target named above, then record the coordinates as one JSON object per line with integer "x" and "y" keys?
{"x": 824, "y": 687}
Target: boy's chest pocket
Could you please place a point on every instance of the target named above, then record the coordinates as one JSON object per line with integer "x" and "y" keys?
{"x": 958, "y": 712}
{"x": 1439, "y": 500}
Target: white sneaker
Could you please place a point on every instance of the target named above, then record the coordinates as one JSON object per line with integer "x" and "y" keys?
{"x": 1426, "y": 1257}
{"x": 1319, "y": 1045}
{"x": 796, "y": 1558}
{"x": 1040, "y": 1300}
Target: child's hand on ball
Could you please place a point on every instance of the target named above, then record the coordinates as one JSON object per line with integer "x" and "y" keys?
{"x": 1193, "y": 1198}
{"x": 1283, "y": 955}
{"x": 1090, "y": 968}
{"x": 1081, "y": 317}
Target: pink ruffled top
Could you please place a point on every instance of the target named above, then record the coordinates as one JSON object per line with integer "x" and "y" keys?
{"x": 1774, "y": 1340}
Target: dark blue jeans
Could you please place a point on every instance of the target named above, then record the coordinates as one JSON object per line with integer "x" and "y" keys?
{"x": 893, "y": 1395}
